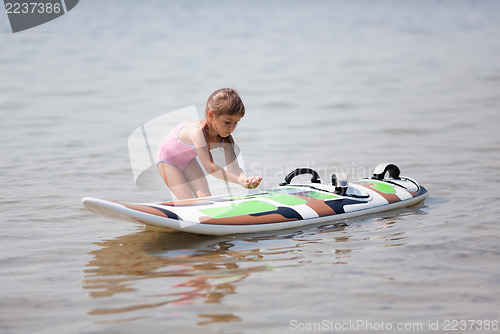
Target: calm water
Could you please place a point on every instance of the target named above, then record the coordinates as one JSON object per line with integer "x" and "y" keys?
{"x": 333, "y": 85}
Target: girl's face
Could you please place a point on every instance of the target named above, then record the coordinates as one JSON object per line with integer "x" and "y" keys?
{"x": 225, "y": 124}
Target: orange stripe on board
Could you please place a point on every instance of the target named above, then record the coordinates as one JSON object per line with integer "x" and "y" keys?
{"x": 246, "y": 220}
{"x": 146, "y": 209}
{"x": 319, "y": 206}
{"x": 391, "y": 198}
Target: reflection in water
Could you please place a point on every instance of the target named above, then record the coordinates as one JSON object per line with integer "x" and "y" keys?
{"x": 203, "y": 268}
{"x": 156, "y": 267}
{"x": 193, "y": 268}
{"x": 213, "y": 318}
{"x": 199, "y": 268}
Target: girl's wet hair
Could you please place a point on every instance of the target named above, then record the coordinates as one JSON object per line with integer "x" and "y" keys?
{"x": 225, "y": 101}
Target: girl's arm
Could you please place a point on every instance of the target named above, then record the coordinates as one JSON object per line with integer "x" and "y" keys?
{"x": 234, "y": 168}
{"x": 205, "y": 156}
{"x": 231, "y": 161}
{"x": 234, "y": 173}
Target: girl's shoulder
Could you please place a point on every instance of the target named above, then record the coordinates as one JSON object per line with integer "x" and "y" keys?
{"x": 193, "y": 128}
{"x": 191, "y": 132}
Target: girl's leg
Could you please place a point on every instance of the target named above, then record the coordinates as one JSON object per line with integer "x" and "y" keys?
{"x": 196, "y": 179}
{"x": 175, "y": 180}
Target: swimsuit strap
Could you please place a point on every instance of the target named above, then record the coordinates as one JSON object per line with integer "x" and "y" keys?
{"x": 188, "y": 125}
{"x": 191, "y": 125}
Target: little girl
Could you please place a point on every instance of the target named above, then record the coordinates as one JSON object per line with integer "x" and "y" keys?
{"x": 177, "y": 152}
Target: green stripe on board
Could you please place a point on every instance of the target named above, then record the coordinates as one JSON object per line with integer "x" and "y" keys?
{"x": 239, "y": 209}
{"x": 313, "y": 194}
{"x": 285, "y": 199}
{"x": 318, "y": 195}
{"x": 380, "y": 186}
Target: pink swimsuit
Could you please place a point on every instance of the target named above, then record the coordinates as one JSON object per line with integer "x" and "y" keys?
{"x": 173, "y": 151}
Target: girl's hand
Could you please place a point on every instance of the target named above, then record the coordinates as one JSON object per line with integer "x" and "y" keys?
{"x": 254, "y": 182}
{"x": 251, "y": 182}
